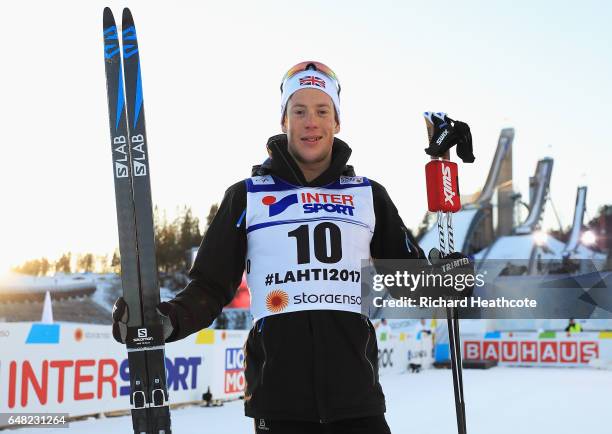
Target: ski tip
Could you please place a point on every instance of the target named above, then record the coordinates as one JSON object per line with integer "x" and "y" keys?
{"x": 127, "y": 19}
{"x": 109, "y": 19}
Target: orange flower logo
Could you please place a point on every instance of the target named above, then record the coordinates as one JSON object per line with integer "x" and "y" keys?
{"x": 78, "y": 334}
{"x": 277, "y": 300}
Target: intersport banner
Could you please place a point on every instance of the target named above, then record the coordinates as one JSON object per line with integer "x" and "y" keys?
{"x": 79, "y": 368}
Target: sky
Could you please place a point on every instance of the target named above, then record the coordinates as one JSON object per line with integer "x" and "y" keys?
{"x": 211, "y": 74}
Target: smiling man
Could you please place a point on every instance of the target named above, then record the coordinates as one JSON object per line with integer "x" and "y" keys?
{"x": 300, "y": 226}
{"x": 310, "y": 120}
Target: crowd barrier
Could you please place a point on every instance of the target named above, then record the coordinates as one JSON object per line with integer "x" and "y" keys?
{"x": 79, "y": 369}
{"x": 397, "y": 350}
{"x": 539, "y": 348}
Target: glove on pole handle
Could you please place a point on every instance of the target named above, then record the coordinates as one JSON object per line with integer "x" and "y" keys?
{"x": 443, "y": 197}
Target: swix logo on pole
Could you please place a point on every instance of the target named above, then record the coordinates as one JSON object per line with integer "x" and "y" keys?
{"x": 441, "y": 138}
{"x": 442, "y": 186}
{"x": 448, "y": 184}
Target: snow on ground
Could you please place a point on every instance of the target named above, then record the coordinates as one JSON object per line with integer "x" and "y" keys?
{"x": 108, "y": 288}
{"x": 498, "y": 401}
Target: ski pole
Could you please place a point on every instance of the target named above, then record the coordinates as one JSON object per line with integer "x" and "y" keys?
{"x": 452, "y": 317}
{"x": 443, "y": 198}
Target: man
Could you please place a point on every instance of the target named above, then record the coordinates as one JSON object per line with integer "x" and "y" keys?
{"x": 573, "y": 326}
{"x": 300, "y": 226}
{"x": 383, "y": 329}
{"x": 422, "y": 328}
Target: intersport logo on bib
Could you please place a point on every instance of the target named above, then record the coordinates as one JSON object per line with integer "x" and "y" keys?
{"x": 312, "y": 203}
{"x": 276, "y": 207}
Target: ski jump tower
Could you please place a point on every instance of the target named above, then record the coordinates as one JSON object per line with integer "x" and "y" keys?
{"x": 498, "y": 180}
{"x": 574, "y": 248}
{"x": 519, "y": 244}
{"x": 538, "y": 195}
{"x": 573, "y": 242}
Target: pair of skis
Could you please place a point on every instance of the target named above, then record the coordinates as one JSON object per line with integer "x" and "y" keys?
{"x": 145, "y": 343}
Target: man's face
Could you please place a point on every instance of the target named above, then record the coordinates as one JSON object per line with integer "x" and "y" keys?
{"x": 310, "y": 125}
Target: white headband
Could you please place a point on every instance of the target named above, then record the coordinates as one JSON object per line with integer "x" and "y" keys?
{"x": 310, "y": 79}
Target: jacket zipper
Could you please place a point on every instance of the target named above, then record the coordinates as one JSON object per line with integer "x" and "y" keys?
{"x": 365, "y": 354}
{"x": 317, "y": 394}
{"x": 297, "y": 178}
{"x": 263, "y": 347}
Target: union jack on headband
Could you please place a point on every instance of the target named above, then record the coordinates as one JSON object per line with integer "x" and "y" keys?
{"x": 312, "y": 81}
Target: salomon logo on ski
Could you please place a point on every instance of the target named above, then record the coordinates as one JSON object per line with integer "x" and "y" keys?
{"x": 121, "y": 163}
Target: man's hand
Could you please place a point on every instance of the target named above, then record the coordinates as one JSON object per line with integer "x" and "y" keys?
{"x": 460, "y": 269}
{"x": 121, "y": 316}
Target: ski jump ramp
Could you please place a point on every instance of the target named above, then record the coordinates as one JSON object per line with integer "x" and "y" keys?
{"x": 574, "y": 239}
{"x": 538, "y": 202}
{"x": 574, "y": 249}
{"x": 522, "y": 249}
{"x": 521, "y": 245}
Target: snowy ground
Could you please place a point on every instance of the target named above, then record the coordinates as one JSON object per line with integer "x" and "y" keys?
{"x": 498, "y": 401}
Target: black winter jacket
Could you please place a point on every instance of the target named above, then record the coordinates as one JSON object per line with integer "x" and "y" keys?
{"x": 317, "y": 365}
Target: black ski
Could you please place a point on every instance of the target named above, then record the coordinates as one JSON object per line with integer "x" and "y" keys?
{"x": 145, "y": 345}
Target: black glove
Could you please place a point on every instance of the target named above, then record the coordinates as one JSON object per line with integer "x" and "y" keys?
{"x": 444, "y": 133}
{"x": 460, "y": 269}
{"x": 121, "y": 316}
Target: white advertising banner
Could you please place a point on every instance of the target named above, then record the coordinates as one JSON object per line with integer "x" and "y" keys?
{"x": 539, "y": 349}
{"x": 79, "y": 368}
{"x": 398, "y": 349}
{"x": 227, "y": 365}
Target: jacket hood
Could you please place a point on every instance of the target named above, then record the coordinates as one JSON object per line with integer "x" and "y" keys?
{"x": 283, "y": 165}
